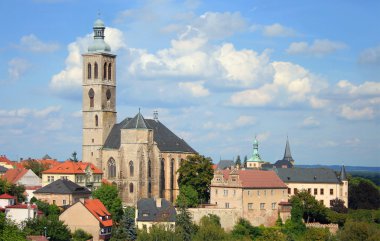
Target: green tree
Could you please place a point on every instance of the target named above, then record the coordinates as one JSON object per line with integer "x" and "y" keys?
{"x": 126, "y": 230}
{"x": 238, "y": 161}
{"x": 36, "y": 166}
{"x": 9, "y": 230}
{"x": 243, "y": 228}
{"x": 108, "y": 195}
{"x": 158, "y": 232}
{"x": 318, "y": 234}
{"x": 210, "y": 229}
{"x": 74, "y": 157}
{"x": 196, "y": 171}
{"x": 55, "y": 229}
{"x": 188, "y": 197}
{"x": 354, "y": 231}
{"x": 81, "y": 235}
{"x": 184, "y": 224}
{"x": 363, "y": 194}
{"x": 271, "y": 234}
{"x": 245, "y": 161}
{"x": 313, "y": 211}
{"x": 47, "y": 209}
{"x": 337, "y": 205}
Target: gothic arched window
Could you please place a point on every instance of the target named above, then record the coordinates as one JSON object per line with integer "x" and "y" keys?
{"x": 91, "y": 95}
{"x": 96, "y": 120}
{"x": 149, "y": 168}
{"x": 131, "y": 169}
{"x": 105, "y": 71}
{"x": 111, "y": 168}
{"x": 95, "y": 70}
{"x": 131, "y": 187}
{"x": 162, "y": 178}
{"x": 89, "y": 71}
{"x": 171, "y": 179}
{"x": 149, "y": 187}
{"x": 109, "y": 71}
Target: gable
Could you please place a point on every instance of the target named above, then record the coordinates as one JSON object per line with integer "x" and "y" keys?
{"x": 77, "y": 215}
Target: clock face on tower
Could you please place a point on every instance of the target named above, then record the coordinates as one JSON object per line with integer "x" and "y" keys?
{"x": 108, "y": 94}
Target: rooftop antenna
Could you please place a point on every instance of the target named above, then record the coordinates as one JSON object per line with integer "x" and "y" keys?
{"x": 155, "y": 115}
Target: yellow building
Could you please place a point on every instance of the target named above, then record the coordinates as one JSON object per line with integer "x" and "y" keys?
{"x": 81, "y": 173}
{"x": 256, "y": 194}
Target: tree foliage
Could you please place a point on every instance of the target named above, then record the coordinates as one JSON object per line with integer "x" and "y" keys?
{"x": 312, "y": 210}
{"x": 36, "y": 166}
{"x": 184, "y": 224}
{"x": 363, "y": 194}
{"x": 238, "y": 161}
{"x": 74, "y": 157}
{"x": 188, "y": 197}
{"x": 158, "y": 232}
{"x": 108, "y": 195}
{"x": 47, "y": 209}
{"x": 81, "y": 235}
{"x": 9, "y": 230}
{"x": 126, "y": 229}
{"x": 337, "y": 205}
{"x": 12, "y": 189}
{"x": 243, "y": 228}
{"x": 196, "y": 171}
{"x": 354, "y": 231}
{"x": 55, "y": 229}
{"x": 210, "y": 229}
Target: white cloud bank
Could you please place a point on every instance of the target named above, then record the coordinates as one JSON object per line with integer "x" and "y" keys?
{"x": 319, "y": 47}
{"x": 32, "y": 43}
{"x": 370, "y": 56}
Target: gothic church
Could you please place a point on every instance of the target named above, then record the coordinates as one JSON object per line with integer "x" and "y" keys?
{"x": 141, "y": 156}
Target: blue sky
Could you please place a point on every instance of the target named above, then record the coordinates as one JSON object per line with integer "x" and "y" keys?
{"x": 218, "y": 72}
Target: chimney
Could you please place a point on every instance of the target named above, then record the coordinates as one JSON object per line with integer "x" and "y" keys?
{"x": 158, "y": 202}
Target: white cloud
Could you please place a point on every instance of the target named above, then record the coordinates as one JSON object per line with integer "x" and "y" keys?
{"x": 71, "y": 77}
{"x": 47, "y": 111}
{"x": 352, "y": 142}
{"x": 17, "y": 67}
{"x": 252, "y": 97}
{"x": 25, "y": 112}
{"x": 278, "y": 30}
{"x": 263, "y": 136}
{"x": 195, "y": 88}
{"x": 33, "y": 44}
{"x": 370, "y": 56}
{"x": 77, "y": 114}
{"x": 367, "y": 88}
{"x": 54, "y": 124}
{"x": 319, "y": 47}
{"x": 350, "y": 113}
{"x": 245, "y": 120}
{"x": 309, "y": 122}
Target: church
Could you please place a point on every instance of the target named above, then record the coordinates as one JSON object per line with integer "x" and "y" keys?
{"x": 141, "y": 156}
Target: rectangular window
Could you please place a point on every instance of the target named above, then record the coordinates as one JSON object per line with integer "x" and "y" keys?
{"x": 234, "y": 192}
{"x": 309, "y": 190}
{"x": 273, "y": 205}
{"x": 53, "y": 201}
{"x": 322, "y": 191}
{"x": 265, "y": 192}
{"x": 262, "y": 206}
{"x": 331, "y": 203}
{"x": 321, "y": 202}
{"x": 289, "y": 191}
{"x": 64, "y": 202}
{"x": 315, "y": 191}
{"x": 249, "y": 193}
{"x": 225, "y": 192}
{"x": 295, "y": 191}
{"x": 227, "y": 205}
{"x": 216, "y": 191}
{"x": 331, "y": 191}
{"x": 250, "y": 206}
{"x": 258, "y": 192}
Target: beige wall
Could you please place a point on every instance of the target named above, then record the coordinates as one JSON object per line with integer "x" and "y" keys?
{"x": 338, "y": 191}
{"x": 79, "y": 179}
{"x": 59, "y": 199}
{"x": 228, "y": 217}
{"x": 78, "y": 217}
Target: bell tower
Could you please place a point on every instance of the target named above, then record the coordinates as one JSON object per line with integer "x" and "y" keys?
{"x": 99, "y": 95}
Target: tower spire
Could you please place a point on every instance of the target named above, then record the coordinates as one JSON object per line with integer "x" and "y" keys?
{"x": 98, "y": 44}
{"x": 288, "y": 154}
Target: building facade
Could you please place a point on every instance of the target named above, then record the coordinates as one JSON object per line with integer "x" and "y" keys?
{"x": 256, "y": 194}
{"x": 323, "y": 183}
{"x": 141, "y": 156}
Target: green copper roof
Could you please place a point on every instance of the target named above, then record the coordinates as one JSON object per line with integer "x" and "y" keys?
{"x": 255, "y": 155}
{"x": 98, "y": 44}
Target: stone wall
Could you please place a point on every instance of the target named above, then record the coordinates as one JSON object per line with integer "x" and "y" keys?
{"x": 332, "y": 227}
{"x": 228, "y": 217}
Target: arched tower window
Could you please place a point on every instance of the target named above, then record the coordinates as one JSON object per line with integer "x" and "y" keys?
{"x": 171, "y": 179}
{"x": 131, "y": 169}
{"x": 109, "y": 71}
{"x": 162, "y": 178}
{"x": 96, "y": 120}
{"x": 111, "y": 168}
{"x": 96, "y": 70}
{"x": 131, "y": 187}
{"x": 91, "y": 95}
{"x": 105, "y": 71}
{"x": 149, "y": 168}
{"x": 89, "y": 71}
{"x": 149, "y": 188}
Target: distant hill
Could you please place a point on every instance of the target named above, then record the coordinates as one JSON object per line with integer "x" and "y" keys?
{"x": 348, "y": 168}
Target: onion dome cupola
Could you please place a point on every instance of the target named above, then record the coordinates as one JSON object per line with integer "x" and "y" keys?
{"x": 255, "y": 155}
{"x": 98, "y": 44}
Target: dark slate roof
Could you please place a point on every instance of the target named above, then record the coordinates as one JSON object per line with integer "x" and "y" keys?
{"x": 307, "y": 175}
{"x": 46, "y": 157}
{"x": 287, "y": 154}
{"x": 62, "y": 186}
{"x": 223, "y": 164}
{"x": 166, "y": 140}
{"x": 137, "y": 122}
{"x": 343, "y": 174}
{"x": 3, "y": 169}
{"x": 148, "y": 211}
{"x": 282, "y": 163}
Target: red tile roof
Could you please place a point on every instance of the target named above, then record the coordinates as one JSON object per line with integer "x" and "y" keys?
{"x": 96, "y": 207}
{"x": 70, "y": 167}
{"x": 48, "y": 162}
{"x": 13, "y": 175}
{"x": 5, "y": 160}
{"x": 257, "y": 178}
{"x": 7, "y": 196}
{"x": 22, "y": 206}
